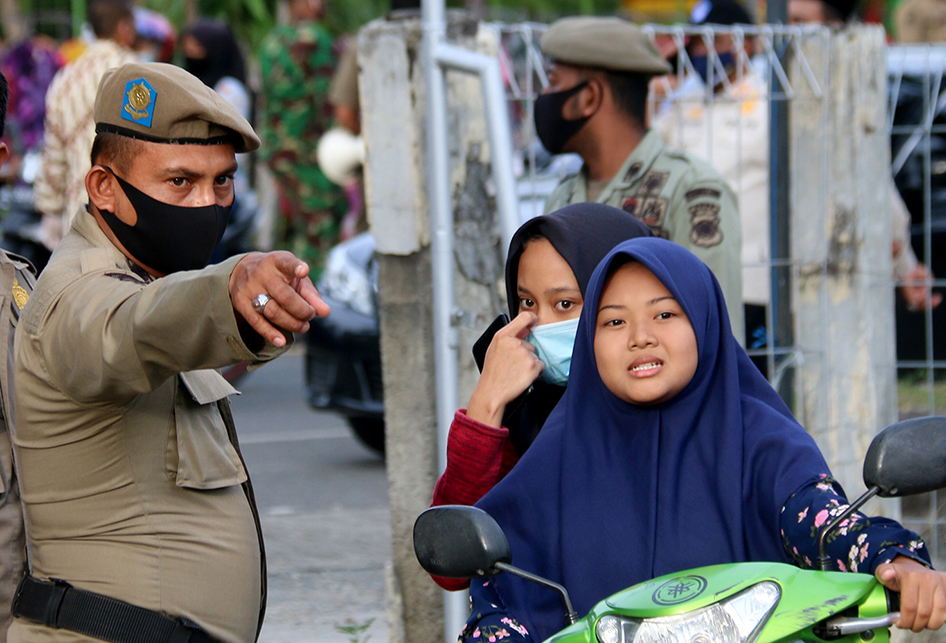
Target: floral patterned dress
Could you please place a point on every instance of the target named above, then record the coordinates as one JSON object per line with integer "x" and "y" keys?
{"x": 860, "y": 544}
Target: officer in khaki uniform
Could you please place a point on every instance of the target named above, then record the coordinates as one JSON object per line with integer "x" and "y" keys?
{"x": 595, "y": 106}
{"x": 136, "y": 497}
{"x": 16, "y": 284}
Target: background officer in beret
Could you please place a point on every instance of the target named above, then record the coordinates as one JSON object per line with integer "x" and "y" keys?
{"x": 137, "y": 500}
{"x": 596, "y": 106}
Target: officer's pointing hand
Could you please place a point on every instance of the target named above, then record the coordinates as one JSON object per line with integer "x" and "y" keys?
{"x": 294, "y": 300}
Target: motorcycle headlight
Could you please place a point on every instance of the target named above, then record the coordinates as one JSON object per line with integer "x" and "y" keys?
{"x": 738, "y": 619}
{"x": 347, "y": 282}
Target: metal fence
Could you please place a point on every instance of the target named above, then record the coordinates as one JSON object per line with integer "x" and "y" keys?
{"x": 917, "y": 126}
{"x": 769, "y": 66}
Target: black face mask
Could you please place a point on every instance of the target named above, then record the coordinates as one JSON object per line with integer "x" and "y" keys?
{"x": 550, "y": 126}
{"x": 168, "y": 238}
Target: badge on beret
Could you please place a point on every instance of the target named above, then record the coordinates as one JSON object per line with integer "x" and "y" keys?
{"x": 138, "y": 103}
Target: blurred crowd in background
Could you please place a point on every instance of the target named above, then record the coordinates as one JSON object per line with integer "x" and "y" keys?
{"x": 295, "y": 82}
{"x": 282, "y": 84}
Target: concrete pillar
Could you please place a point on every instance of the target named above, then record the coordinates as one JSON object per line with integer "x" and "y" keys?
{"x": 841, "y": 248}
{"x": 391, "y": 83}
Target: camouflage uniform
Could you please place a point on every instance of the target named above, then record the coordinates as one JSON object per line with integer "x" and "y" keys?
{"x": 682, "y": 199}
{"x": 297, "y": 65}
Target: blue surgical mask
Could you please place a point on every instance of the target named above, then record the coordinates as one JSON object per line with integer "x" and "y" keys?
{"x": 553, "y": 345}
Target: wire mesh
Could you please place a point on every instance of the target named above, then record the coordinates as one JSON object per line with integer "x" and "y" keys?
{"x": 917, "y": 126}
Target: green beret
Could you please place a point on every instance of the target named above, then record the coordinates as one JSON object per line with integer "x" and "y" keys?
{"x": 606, "y": 43}
{"x": 165, "y": 104}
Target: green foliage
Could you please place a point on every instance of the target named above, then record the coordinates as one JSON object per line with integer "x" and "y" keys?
{"x": 347, "y": 16}
{"x": 251, "y": 20}
{"x": 547, "y": 10}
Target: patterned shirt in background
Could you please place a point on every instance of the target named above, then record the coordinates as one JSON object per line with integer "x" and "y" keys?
{"x": 297, "y": 64}
{"x": 70, "y": 130}
{"x": 29, "y": 68}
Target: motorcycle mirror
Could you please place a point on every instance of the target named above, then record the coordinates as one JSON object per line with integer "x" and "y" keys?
{"x": 455, "y": 541}
{"x": 907, "y": 458}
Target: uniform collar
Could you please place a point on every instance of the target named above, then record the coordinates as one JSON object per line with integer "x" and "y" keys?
{"x": 636, "y": 166}
{"x": 88, "y": 228}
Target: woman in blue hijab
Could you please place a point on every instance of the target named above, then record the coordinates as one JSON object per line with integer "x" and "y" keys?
{"x": 668, "y": 451}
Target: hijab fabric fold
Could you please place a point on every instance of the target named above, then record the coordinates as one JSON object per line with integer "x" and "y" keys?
{"x": 611, "y": 494}
{"x": 583, "y": 234}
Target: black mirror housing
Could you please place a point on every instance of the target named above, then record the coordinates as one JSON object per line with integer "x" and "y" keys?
{"x": 455, "y": 541}
{"x": 908, "y": 458}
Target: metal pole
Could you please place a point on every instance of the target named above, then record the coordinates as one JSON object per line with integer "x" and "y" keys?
{"x": 497, "y": 120}
{"x": 441, "y": 246}
{"x": 780, "y": 332}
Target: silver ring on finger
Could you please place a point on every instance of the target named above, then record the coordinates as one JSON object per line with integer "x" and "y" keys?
{"x": 259, "y": 304}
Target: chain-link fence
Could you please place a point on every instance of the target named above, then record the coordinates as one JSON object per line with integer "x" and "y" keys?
{"x": 728, "y": 127}
{"x": 917, "y": 125}
{"x": 721, "y": 103}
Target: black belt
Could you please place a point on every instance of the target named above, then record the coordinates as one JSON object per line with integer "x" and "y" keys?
{"x": 60, "y": 605}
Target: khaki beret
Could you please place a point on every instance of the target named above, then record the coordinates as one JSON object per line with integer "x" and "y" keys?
{"x": 164, "y": 104}
{"x": 607, "y": 43}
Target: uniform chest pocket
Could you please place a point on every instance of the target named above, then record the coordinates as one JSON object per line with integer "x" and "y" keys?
{"x": 199, "y": 452}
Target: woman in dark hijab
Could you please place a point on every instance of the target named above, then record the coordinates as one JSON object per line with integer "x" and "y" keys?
{"x": 669, "y": 451}
{"x": 550, "y": 261}
{"x": 221, "y": 55}
{"x": 212, "y": 54}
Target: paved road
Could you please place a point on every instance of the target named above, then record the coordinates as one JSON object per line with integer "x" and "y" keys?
{"x": 324, "y": 509}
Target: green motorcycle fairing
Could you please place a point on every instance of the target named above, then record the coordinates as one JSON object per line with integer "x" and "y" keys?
{"x": 807, "y": 598}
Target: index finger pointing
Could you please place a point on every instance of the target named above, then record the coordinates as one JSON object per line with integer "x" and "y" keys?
{"x": 291, "y": 266}
{"x": 308, "y": 292}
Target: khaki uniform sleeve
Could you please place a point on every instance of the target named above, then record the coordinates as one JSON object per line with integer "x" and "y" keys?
{"x": 108, "y": 337}
{"x": 705, "y": 220}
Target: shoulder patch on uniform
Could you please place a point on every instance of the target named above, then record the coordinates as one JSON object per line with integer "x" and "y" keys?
{"x": 653, "y": 183}
{"x": 701, "y": 192}
{"x": 653, "y": 212}
{"x": 704, "y": 225}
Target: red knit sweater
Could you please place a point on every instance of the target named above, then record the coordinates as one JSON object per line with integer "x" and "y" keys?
{"x": 478, "y": 456}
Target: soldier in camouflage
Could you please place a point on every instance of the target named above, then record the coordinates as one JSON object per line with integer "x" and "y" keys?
{"x": 297, "y": 63}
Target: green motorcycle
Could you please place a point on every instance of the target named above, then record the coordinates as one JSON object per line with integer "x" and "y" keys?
{"x": 756, "y": 602}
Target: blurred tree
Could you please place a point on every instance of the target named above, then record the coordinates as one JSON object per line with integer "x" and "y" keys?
{"x": 11, "y": 19}
{"x": 546, "y": 10}
{"x": 251, "y": 20}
